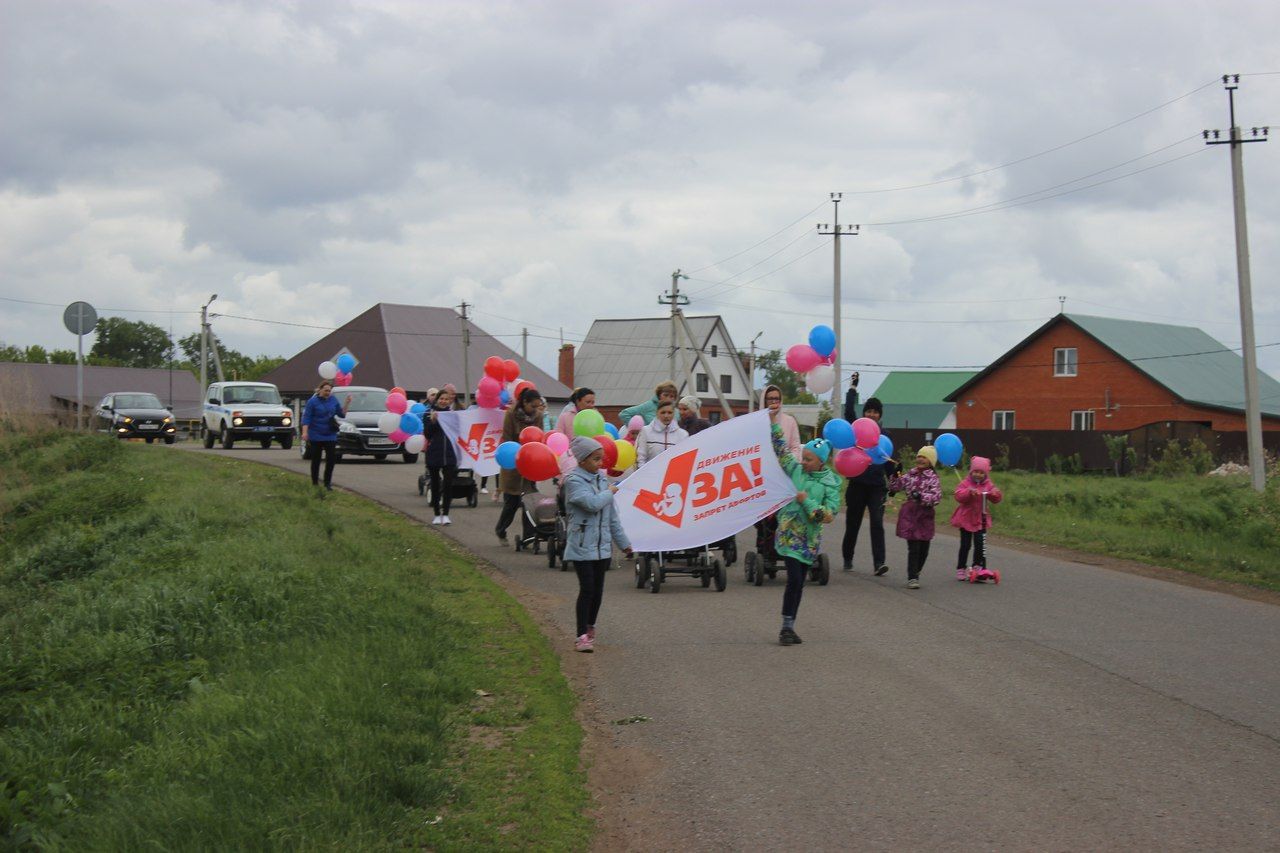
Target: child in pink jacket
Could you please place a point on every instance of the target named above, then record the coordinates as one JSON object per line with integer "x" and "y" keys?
{"x": 915, "y": 519}
{"x": 973, "y": 514}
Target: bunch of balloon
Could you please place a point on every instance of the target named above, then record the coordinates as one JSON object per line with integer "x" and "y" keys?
{"x": 402, "y": 421}
{"x": 815, "y": 360}
{"x": 857, "y": 444}
{"x": 338, "y": 372}
{"x": 535, "y": 455}
{"x": 501, "y": 383}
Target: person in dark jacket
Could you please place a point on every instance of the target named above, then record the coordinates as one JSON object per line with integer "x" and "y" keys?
{"x": 442, "y": 461}
{"x": 320, "y": 431}
{"x": 526, "y": 411}
{"x": 691, "y": 419}
{"x": 867, "y": 492}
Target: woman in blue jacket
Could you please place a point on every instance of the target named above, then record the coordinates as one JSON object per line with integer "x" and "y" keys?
{"x": 593, "y": 529}
{"x": 320, "y": 431}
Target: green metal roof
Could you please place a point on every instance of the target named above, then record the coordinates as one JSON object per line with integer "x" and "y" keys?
{"x": 1184, "y": 359}
{"x": 915, "y": 415}
{"x": 912, "y": 387}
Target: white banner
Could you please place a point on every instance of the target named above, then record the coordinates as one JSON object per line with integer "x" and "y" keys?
{"x": 704, "y": 489}
{"x": 475, "y": 434}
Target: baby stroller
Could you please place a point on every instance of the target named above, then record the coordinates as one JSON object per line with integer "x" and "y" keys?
{"x": 652, "y": 568}
{"x": 764, "y": 560}
{"x": 543, "y": 520}
{"x": 464, "y": 487}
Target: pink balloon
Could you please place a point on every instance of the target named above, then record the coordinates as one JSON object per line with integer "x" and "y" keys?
{"x": 342, "y": 379}
{"x": 852, "y": 461}
{"x": 636, "y": 422}
{"x": 802, "y": 358}
{"x": 489, "y": 386}
{"x": 866, "y": 433}
{"x": 558, "y": 442}
{"x": 397, "y": 403}
{"x": 398, "y": 435}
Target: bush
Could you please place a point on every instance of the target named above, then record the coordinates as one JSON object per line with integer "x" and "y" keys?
{"x": 1175, "y": 461}
{"x": 1001, "y": 460}
{"x": 1122, "y": 456}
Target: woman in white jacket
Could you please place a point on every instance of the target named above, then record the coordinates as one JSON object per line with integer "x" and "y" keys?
{"x": 659, "y": 435}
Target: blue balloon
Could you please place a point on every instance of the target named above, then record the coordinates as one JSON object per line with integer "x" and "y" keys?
{"x": 506, "y": 454}
{"x": 949, "y": 449}
{"x": 612, "y": 430}
{"x": 877, "y": 456}
{"x": 505, "y": 397}
{"x": 411, "y": 423}
{"x": 823, "y": 340}
{"x": 886, "y": 446}
{"x": 839, "y": 432}
{"x": 417, "y": 409}
{"x": 346, "y": 362}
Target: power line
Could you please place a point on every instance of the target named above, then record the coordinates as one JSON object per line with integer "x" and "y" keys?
{"x": 119, "y": 310}
{"x": 786, "y": 227}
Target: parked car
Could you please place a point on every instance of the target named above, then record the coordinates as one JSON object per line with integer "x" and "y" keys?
{"x": 234, "y": 411}
{"x": 136, "y": 414}
{"x": 358, "y": 433}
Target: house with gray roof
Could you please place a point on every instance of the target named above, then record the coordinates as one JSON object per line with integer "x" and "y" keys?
{"x": 50, "y": 389}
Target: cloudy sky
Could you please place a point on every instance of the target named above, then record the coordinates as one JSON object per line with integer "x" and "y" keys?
{"x": 553, "y": 162}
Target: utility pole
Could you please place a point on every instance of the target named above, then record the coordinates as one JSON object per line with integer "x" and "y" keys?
{"x": 204, "y": 350}
{"x": 466, "y": 352}
{"x": 1252, "y": 405}
{"x": 836, "y": 231}
{"x": 675, "y": 299}
{"x": 524, "y": 345}
{"x": 751, "y": 375}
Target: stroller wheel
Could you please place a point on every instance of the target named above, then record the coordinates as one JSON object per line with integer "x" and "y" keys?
{"x": 422, "y": 483}
{"x": 749, "y": 566}
{"x": 705, "y": 577}
{"x": 824, "y": 570}
{"x": 642, "y": 572}
{"x": 722, "y": 576}
{"x": 655, "y": 575}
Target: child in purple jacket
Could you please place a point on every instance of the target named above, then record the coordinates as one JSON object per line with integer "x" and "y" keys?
{"x": 916, "y": 518}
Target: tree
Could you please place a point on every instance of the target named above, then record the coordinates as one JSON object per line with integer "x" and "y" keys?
{"x": 131, "y": 343}
{"x": 235, "y": 364}
{"x": 777, "y": 373}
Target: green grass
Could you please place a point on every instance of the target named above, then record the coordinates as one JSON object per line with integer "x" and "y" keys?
{"x": 202, "y": 654}
{"x": 1217, "y": 527}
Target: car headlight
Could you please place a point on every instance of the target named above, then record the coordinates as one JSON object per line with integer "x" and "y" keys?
{"x": 168, "y": 420}
{"x": 287, "y": 421}
{"x": 237, "y": 421}
{"x": 128, "y": 419}
{"x": 346, "y": 426}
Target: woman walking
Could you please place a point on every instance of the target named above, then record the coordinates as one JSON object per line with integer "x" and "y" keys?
{"x": 320, "y": 431}
{"x": 442, "y": 462}
{"x": 582, "y": 399}
{"x": 524, "y": 412}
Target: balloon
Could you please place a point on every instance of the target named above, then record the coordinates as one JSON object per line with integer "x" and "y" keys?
{"x": 520, "y": 386}
{"x": 417, "y": 409}
{"x": 504, "y": 397}
{"x": 820, "y": 379}
{"x": 489, "y": 387}
{"x": 346, "y": 362}
{"x": 949, "y": 449}
{"x": 493, "y": 367}
{"x": 801, "y": 358}
{"x": 588, "y": 422}
{"x": 626, "y": 455}
{"x": 886, "y": 446}
{"x": 831, "y": 359}
{"x": 636, "y": 423}
{"x": 342, "y": 380}
{"x": 328, "y": 370}
{"x": 823, "y": 340}
{"x": 397, "y": 403}
{"x": 839, "y": 433}
{"x": 388, "y": 422}
{"x": 612, "y": 430}
{"x": 530, "y": 433}
{"x": 398, "y": 390}
{"x": 506, "y": 454}
{"x": 610, "y": 449}
{"x": 852, "y": 461}
{"x": 415, "y": 443}
{"x": 510, "y": 370}
{"x": 410, "y": 424}
{"x": 867, "y": 432}
{"x": 558, "y": 442}
{"x": 398, "y": 436}
{"x": 536, "y": 462}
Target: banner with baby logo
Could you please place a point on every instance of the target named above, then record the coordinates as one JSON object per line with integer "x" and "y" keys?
{"x": 475, "y": 434}
{"x": 704, "y": 489}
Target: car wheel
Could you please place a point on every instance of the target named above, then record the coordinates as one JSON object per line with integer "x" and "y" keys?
{"x": 286, "y": 442}
{"x": 150, "y": 439}
{"x": 411, "y": 458}
{"x": 169, "y": 439}
{"x": 722, "y": 576}
{"x": 228, "y": 441}
{"x": 381, "y": 457}
{"x": 207, "y": 435}
{"x": 265, "y": 442}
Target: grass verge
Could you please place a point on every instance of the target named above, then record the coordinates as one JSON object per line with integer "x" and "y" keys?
{"x": 196, "y": 653}
{"x": 1217, "y": 527}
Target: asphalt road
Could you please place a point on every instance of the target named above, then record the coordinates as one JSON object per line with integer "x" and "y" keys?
{"x": 1071, "y": 707}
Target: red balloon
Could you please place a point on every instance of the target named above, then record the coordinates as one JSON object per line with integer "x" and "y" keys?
{"x": 397, "y": 390}
{"x": 530, "y": 433}
{"x": 493, "y": 366}
{"x": 510, "y": 370}
{"x": 520, "y": 386}
{"x": 852, "y": 461}
{"x": 610, "y": 450}
{"x": 536, "y": 462}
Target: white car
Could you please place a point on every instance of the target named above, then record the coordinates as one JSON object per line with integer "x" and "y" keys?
{"x": 235, "y": 411}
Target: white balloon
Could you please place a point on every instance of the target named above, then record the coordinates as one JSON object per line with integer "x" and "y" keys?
{"x": 821, "y": 379}
{"x": 415, "y": 443}
{"x": 388, "y": 422}
{"x": 328, "y": 370}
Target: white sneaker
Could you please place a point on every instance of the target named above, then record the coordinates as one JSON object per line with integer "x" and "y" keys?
{"x": 439, "y": 519}
{"x": 484, "y": 490}
{"x": 446, "y": 520}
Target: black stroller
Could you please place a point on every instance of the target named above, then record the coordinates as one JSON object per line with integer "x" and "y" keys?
{"x": 699, "y": 563}
{"x": 543, "y": 520}
{"x": 764, "y": 560}
{"x": 464, "y": 487}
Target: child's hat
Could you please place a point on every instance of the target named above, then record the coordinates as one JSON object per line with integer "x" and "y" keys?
{"x": 929, "y": 453}
{"x": 980, "y": 463}
{"x": 582, "y": 447}
{"x": 819, "y": 447}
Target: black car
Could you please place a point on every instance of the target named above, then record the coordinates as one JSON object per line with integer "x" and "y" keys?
{"x": 136, "y": 414}
{"x": 358, "y": 433}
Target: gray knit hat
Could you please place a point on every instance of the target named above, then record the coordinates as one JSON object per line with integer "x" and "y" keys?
{"x": 581, "y": 447}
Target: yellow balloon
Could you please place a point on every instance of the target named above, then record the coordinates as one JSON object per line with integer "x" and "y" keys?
{"x": 626, "y": 456}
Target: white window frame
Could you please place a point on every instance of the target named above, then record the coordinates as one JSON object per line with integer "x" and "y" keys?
{"x": 1087, "y": 416}
{"x": 1066, "y": 361}
{"x": 702, "y": 383}
{"x": 1003, "y": 419}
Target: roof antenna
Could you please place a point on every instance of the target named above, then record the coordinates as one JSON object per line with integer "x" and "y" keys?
{"x": 1062, "y": 304}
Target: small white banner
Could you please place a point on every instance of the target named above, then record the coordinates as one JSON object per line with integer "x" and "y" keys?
{"x": 475, "y": 434}
{"x": 705, "y": 489}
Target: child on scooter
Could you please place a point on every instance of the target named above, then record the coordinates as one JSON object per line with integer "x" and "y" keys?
{"x": 974, "y": 496}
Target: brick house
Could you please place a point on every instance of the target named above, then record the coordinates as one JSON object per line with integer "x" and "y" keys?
{"x": 1097, "y": 373}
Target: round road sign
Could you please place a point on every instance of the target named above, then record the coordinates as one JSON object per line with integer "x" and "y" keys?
{"x": 80, "y": 318}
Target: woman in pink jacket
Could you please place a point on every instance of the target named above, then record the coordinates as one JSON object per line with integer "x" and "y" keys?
{"x": 582, "y": 398}
{"x": 916, "y": 518}
{"x": 972, "y": 514}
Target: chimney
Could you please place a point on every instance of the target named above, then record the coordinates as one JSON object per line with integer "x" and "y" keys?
{"x": 566, "y": 365}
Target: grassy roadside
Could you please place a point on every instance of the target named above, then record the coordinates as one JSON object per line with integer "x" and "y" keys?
{"x": 1216, "y": 527}
{"x": 199, "y": 653}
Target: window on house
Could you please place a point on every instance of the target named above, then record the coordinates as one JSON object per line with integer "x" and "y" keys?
{"x": 1064, "y": 361}
{"x": 714, "y": 350}
{"x": 703, "y": 385}
{"x": 713, "y": 417}
{"x": 726, "y": 384}
{"x": 1002, "y": 419}
{"x": 1082, "y": 420}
